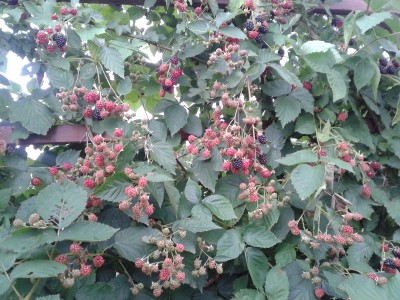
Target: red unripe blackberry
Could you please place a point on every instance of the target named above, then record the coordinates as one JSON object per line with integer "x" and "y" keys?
{"x": 179, "y": 248}
{"x": 98, "y": 261}
{"x": 307, "y": 85}
{"x": 110, "y": 106}
{"x": 85, "y": 270}
{"x": 198, "y": 11}
{"x": 87, "y": 113}
{"x": 53, "y": 171}
{"x": 73, "y": 11}
{"x": 62, "y": 259}
{"x": 163, "y": 68}
{"x": 168, "y": 83}
{"x": 177, "y": 72}
{"x": 75, "y": 248}
{"x": 319, "y": 293}
{"x": 376, "y": 166}
{"x": 64, "y": 10}
{"x": 252, "y": 34}
{"x": 66, "y": 166}
{"x": 118, "y": 132}
{"x": 35, "y": 181}
{"x": 92, "y": 97}
{"x": 366, "y": 192}
{"x": 89, "y": 183}
{"x": 370, "y": 174}
{"x": 265, "y": 173}
{"x": 342, "y": 116}
{"x": 42, "y": 38}
{"x": 164, "y": 274}
{"x": 139, "y": 263}
{"x": 295, "y": 230}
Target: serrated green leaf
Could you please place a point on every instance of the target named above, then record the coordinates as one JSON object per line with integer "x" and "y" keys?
{"x": 365, "y": 23}
{"x": 157, "y": 177}
{"x": 286, "y": 74}
{"x": 299, "y": 157}
{"x": 257, "y": 264}
{"x": 307, "y": 179}
{"x": 277, "y": 284}
{"x": 213, "y": 4}
{"x": 266, "y": 56}
{"x": 369, "y": 290}
{"x": 224, "y": 17}
{"x": 192, "y": 191}
{"x": 61, "y": 204}
{"x": 230, "y": 245}
{"x": 69, "y": 156}
{"x": 129, "y": 242}
{"x": 199, "y": 27}
{"x": 193, "y": 125}
{"x": 206, "y": 171}
{"x": 86, "y": 231}
{"x": 112, "y": 60}
{"x": 277, "y": 88}
{"x": 338, "y": 85}
{"x": 201, "y": 220}
{"x": 124, "y": 86}
{"x": 285, "y": 254}
{"x": 113, "y": 189}
{"x": 232, "y": 31}
{"x": 363, "y": 73}
{"x": 315, "y": 46}
{"x": 338, "y": 162}
{"x": 36, "y": 116}
{"x": 305, "y": 124}
{"x": 164, "y": 155}
{"x": 175, "y": 117}
{"x": 259, "y": 236}
{"x": 4, "y": 284}
{"x": 37, "y": 269}
{"x": 248, "y": 294}
{"x": 348, "y": 25}
{"x": 60, "y": 78}
{"x": 287, "y": 109}
{"x": 220, "y": 206}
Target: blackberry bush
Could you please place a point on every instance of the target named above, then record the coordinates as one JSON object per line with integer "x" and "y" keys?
{"x": 236, "y": 152}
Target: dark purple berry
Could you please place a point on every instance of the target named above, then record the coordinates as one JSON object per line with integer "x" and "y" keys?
{"x": 281, "y": 52}
{"x": 389, "y": 263}
{"x": 376, "y": 166}
{"x": 260, "y": 38}
{"x": 12, "y": 2}
{"x": 262, "y": 158}
{"x": 174, "y": 60}
{"x": 60, "y": 40}
{"x": 96, "y": 115}
{"x": 173, "y": 79}
{"x": 382, "y": 69}
{"x": 259, "y": 19}
{"x": 236, "y": 163}
{"x": 262, "y": 139}
{"x": 395, "y": 63}
{"x": 396, "y": 252}
{"x": 166, "y": 88}
{"x": 263, "y": 29}
{"x": 390, "y": 69}
{"x": 249, "y": 25}
{"x": 383, "y": 62}
{"x": 351, "y": 42}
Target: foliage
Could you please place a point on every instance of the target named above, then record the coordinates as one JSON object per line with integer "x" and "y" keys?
{"x": 258, "y": 158}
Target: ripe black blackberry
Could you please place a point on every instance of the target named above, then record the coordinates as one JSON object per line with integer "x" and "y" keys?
{"x": 395, "y": 63}
{"x": 390, "y": 69}
{"x": 262, "y": 158}
{"x": 389, "y": 263}
{"x": 249, "y": 25}
{"x": 396, "y": 252}
{"x": 382, "y": 69}
{"x": 173, "y": 79}
{"x": 236, "y": 163}
{"x": 263, "y": 29}
{"x": 383, "y": 62}
{"x": 96, "y": 116}
{"x": 262, "y": 139}
{"x": 12, "y": 2}
{"x": 281, "y": 52}
{"x": 60, "y": 40}
{"x": 351, "y": 42}
{"x": 259, "y": 19}
{"x": 166, "y": 88}
{"x": 260, "y": 38}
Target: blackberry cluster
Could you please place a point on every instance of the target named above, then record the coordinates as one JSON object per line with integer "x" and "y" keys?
{"x": 236, "y": 163}
{"x": 388, "y": 68}
{"x": 249, "y": 25}
{"x": 396, "y": 252}
{"x": 262, "y": 139}
{"x": 262, "y": 158}
{"x": 60, "y": 40}
{"x": 388, "y": 263}
{"x": 96, "y": 115}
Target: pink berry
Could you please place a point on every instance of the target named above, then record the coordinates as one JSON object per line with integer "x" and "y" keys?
{"x": 342, "y": 116}
{"x": 142, "y": 182}
{"x": 64, "y": 10}
{"x": 319, "y": 292}
{"x": 198, "y": 11}
{"x": 347, "y": 229}
{"x": 292, "y": 223}
{"x": 89, "y": 183}
{"x": 118, "y": 132}
{"x": 180, "y": 276}
{"x": 164, "y": 274}
{"x": 35, "y": 181}
{"x": 85, "y": 270}
{"x": 98, "y": 261}
{"x": 92, "y": 97}
{"x": 62, "y": 259}
{"x": 295, "y": 230}
{"x": 139, "y": 263}
{"x": 58, "y": 28}
{"x": 179, "y": 248}
{"x": 54, "y": 17}
{"x": 53, "y": 171}
{"x": 73, "y": 11}
{"x": 75, "y": 248}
